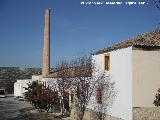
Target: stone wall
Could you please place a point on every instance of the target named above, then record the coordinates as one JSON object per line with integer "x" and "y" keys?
{"x": 90, "y": 115}
{"x": 150, "y": 113}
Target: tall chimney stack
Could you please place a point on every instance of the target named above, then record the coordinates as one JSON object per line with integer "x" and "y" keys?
{"x": 46, "y": 48}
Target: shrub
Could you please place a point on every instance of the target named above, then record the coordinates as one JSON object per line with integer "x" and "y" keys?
{"x": 40, "y": 96}
{"x": 157, "y": 100}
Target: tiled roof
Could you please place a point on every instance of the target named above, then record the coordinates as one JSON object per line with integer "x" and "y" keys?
{"x": 68, "y": 72}
{"x": 147, "y": 39}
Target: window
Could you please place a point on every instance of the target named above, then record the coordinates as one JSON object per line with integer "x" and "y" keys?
{"x": 106, "y": 62}
{"x": 99, "y": 95}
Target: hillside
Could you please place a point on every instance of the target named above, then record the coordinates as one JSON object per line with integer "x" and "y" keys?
{"x": 9, "y": 75}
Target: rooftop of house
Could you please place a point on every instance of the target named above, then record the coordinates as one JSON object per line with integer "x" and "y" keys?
{"x": 70, "y": 72}
{"x": 148, "y": 39}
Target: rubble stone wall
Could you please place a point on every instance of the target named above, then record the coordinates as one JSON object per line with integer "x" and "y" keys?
{"x": 141, "y": 113}
{"x": 90, "y": 115}
{"x": 150, "y": 113}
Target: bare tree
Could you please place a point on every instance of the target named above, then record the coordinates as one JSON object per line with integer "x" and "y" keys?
{"x": 82, "y": 83}
{"x": 64, "y": 84}
{"x": 76, "y": 79}
{"x": 104, "y": 95}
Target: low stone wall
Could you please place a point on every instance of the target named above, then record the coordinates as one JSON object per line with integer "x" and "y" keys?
{"x": 90, "y": 115}
{"x": 150, "y": 113}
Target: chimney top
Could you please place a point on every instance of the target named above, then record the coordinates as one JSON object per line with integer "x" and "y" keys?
{"x": 47, "y": 9}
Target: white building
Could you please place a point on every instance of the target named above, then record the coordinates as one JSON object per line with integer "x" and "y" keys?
{"x": 20, "y": 85}
{"x": 135, "y": 67}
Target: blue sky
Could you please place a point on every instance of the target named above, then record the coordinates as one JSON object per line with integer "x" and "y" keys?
{"x": 75, "y": 28}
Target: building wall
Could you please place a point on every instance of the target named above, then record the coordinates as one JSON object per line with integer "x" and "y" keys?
{"x": 51, "y": 82}
{"x": 37, "y": 78}
{"x": 121, "y": 73}
{"x": 146, "y": 77}
{"x": 19, "y": 87}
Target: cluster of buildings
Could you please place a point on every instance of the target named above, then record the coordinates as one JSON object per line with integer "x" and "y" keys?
{"x": 134, "y": 65}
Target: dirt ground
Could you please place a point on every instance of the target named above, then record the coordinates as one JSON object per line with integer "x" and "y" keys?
{"x": 9, "y": 107}
{"x": 13, "y": 109}
{"x": 35, "y": 115}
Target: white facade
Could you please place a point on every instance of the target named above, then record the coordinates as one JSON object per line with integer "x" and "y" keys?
{"x": 50, "y": 82}
{"x": 135, "y": 72}
{"x": 120, "y": 72}
{"x": 19, "y": 87}
{"x": 37, "y": 78}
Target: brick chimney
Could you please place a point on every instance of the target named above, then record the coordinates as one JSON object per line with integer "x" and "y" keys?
{"x": 46, "y": 48}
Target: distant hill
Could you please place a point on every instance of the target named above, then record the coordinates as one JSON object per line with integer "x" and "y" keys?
{"x": 9, "y": 75}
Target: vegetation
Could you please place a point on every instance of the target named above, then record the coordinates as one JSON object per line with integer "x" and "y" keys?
{"x": 82, "y": 84}
{"x": 40, "y": 96}
{"x": 157, "y": 99}
{"x": 74, "y": 79}
{"x": 105, "y": 95}
{"x": 75, "y": 83}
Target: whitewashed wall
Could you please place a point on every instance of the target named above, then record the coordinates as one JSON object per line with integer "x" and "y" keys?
{"x": 19, "y": 87}
{"x": 121, "y": 73}
{"x": 51, "y": 82}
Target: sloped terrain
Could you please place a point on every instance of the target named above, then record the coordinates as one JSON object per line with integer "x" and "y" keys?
{"x": 9, "y": 75}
